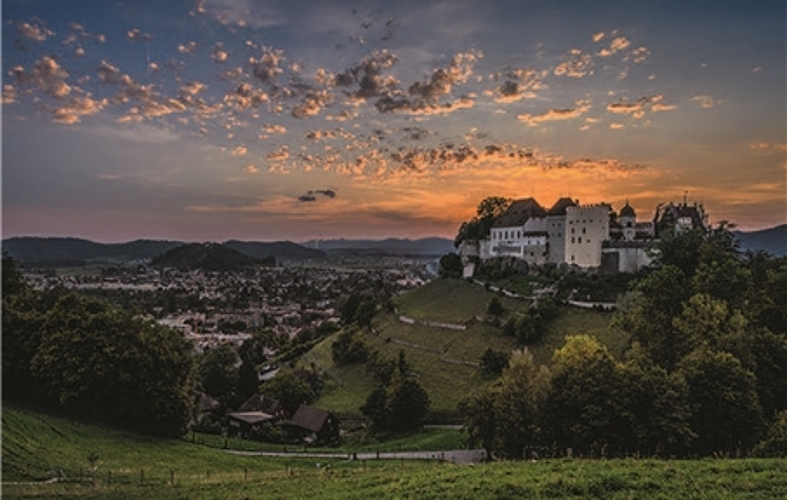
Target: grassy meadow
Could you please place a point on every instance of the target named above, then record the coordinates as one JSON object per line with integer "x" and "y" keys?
{"x": 136, "y": 467}
{"x": 444, "y": 360}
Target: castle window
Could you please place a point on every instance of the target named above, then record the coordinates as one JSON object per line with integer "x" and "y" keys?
{"x": 579, "y": 240}
{"x": 572, "y": 239}
{"x": 583, "y": 230}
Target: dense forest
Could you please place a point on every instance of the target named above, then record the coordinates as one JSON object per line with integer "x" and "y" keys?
{"x": 705, "y": 374}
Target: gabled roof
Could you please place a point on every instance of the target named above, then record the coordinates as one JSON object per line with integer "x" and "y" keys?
{"x": 519, "y": 212}
{"x": 310, "y": 418}
{"x": 205, "y": 403}
{"x": 260, "y": 402}
{"x": 559, "y": 208}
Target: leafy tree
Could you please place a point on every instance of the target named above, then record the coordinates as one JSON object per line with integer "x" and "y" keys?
{"x": 218, "y": 372}
{"x": 289, "y": 389}
{"x": 775, "y": 442}
{"x": 23, "y": 317}
{"x": 99, "y": 362}
{"x": 407, "y": 403}
{"x": 495, "y": 307}
{"x": 349, "y": 348}
{"x": 519, "y": 405}
{"x": 400, "y": 404}
{"x": 654, "y": 407}
{"x": 726, "y": 415}
{"x": 581, "y": 410}
{"x": 451, "y": 266}
{"x": 358, "y": 308}
{"x": 480, "y": 418}
{"x": 487, "y": 211}
{"x": 505, "y": 418}
{"x": 493, "y": 361}
{"x": 648, "y": 311}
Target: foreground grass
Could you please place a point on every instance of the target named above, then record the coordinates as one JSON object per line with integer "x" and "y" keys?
{"x": 32, "y": 442}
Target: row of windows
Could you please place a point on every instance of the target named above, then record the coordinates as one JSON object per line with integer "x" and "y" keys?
{"x": 579, "y": 240}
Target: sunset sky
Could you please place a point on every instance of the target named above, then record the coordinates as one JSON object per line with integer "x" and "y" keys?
{"x": 269, "y": 120}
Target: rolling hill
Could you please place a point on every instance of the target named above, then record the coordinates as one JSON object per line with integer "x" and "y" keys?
{"x": 208, "y": 257}
{"x": 772, "y": 240}
{"x": 446, "y": 360}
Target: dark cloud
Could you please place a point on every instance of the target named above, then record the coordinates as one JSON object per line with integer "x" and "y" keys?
{"x": 311, "y": 195}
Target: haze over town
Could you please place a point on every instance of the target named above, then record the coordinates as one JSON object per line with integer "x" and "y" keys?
{"x": 220, "y": 119}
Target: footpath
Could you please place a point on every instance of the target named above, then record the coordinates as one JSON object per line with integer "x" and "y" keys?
{"x": 455, "y": 456}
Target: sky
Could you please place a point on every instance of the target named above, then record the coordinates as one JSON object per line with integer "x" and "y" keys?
{"x": 209, "y": 120}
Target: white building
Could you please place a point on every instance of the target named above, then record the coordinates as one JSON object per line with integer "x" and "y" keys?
{"x": 586, "y": 236}
{"x": 587, "y": 227}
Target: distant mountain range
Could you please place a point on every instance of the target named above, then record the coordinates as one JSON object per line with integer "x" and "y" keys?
{"x": 772, "y": 240}
{"x": 53, "y": 252}
{"x": 389, "y": 246}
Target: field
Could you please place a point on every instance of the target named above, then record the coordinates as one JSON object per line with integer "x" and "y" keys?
{"x": 444, "y": 360}
{"x": 135, "y": 467}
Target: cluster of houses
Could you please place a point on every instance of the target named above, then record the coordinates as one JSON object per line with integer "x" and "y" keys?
{"x": 260, "y": 415}
{"x": 213, "y": 309}
{"x": 585, "y": 236}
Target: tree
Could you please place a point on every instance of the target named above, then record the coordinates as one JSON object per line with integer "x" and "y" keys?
{"x": 495, "y": 307}
{"x": 506, "y": 418}
{"x": 349, "y": 348}
{"x": 399, "y": 404}
{"x": 726, "y": 415}
{"x": 99, "y": 362}
{"x": 654, "y": 407}
{"x": 487, "y": 211}
{"x": 493, "y": 361}
{"x": 450, "y": 266}
{"x": 519, "y": 405}
{"x": 407, "y": 403}
{"x": 775, "y": 442}
{"x": 289, "y": 389}
{"x": 581, "y": 410}
{"x": 218, "y": 372}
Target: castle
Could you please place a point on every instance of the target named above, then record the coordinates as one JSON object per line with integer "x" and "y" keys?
{"x": 586, "y": 236}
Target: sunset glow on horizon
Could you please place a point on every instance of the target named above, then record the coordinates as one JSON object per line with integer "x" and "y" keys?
{"x": 271, "y": 120}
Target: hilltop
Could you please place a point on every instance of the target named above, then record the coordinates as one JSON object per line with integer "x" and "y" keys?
{"x": 208, "y": 257}
{"x": 772, "y": 240}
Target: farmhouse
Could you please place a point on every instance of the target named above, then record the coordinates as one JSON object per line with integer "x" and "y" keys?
{"x": 313, "y": 425}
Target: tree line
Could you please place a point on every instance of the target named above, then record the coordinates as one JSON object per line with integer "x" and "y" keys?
{"x": 705, "y": 372}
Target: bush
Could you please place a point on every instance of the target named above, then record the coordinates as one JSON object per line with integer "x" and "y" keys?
{"x": 349, "y": 348}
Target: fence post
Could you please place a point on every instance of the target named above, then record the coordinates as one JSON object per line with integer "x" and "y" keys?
{"x": 245, "y": 474}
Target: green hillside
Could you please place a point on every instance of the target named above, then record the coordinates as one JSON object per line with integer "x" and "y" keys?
{"x": 134, "y": 467}
{"x": 445, "y": 360}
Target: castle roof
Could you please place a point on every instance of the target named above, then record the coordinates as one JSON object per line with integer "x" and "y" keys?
{"x": 519, "y": 212}
{"x": 559, "y": 208}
